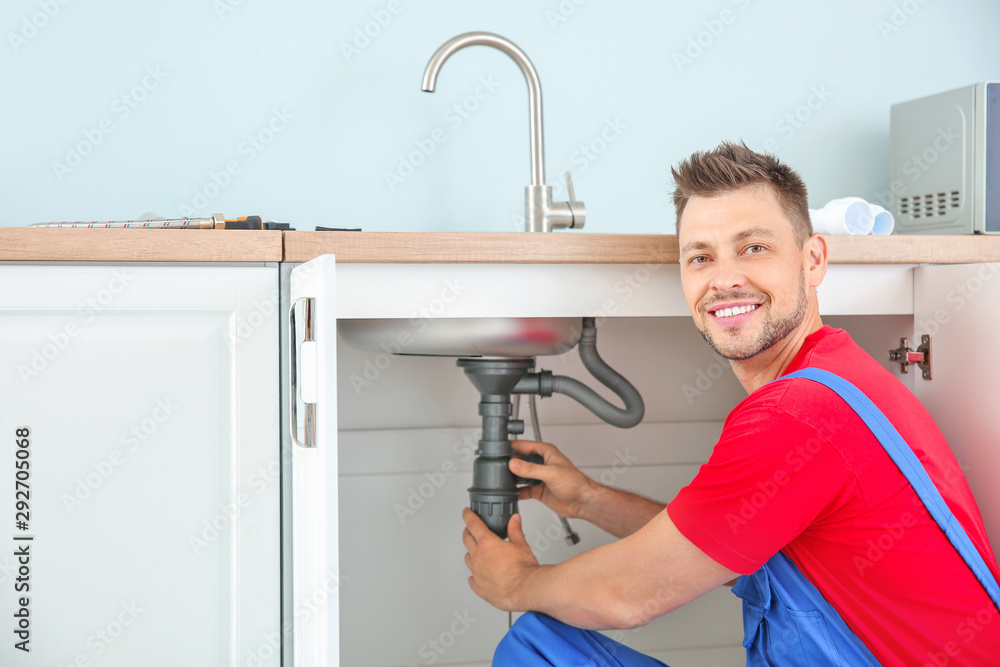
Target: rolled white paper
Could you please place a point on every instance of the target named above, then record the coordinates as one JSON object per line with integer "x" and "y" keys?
{"x": 848, "y": 215}
{"x": 884, "y": 222}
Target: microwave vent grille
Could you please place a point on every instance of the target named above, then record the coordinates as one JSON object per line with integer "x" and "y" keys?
{"x": 931, "y": 205}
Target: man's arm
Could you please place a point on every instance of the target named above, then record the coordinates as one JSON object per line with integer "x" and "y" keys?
{"x": 570, "y": 493}
{"x": 621, "y": 585}
{"x": 619, "y": 512}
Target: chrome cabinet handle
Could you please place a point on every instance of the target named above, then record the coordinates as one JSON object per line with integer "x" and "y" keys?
{"x": 308, "y": 335}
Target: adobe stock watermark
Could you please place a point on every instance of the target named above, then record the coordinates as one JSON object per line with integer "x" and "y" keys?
{"x": 261, "y": 314}
{"x": 625, "y": 289}
{"x": 87, "y": 311}
{"x": 417, "y": 496}
{"x": 916, "y": 165}
{"x": 704, "y": 378}
{"x": 966, "y": 632}
{"x": 654, "y": 605}
{"x": 893, "y": 532}
{"x": 366, "y": 33}
{"x": 102, "y": 639}
{"x": 454, "y": 117}
{"x": 8, "y": 568}
{"x": 621, "y": 464}
{"x": 131, "y": 440}
{"x": 562, "y": 12}
{"x": 225, "y": 7}
{"x": 958, "y": 297}
{"x": 794, "y": 120}
{"x": 229, "y": 513}
{"x": 588, "y": 153}
{"x": 899, "y": 16}
{"x": 704, "y": 39}
{"x": 796, "y": 459}
{"x": 304, "y": 608}
{"x": 248, "y": 150}
{"x": 435, "y": 648}
{"x": 121, "y": 108}
{"x": 541, "y": 540}
{"x": 418, "y": 322}
{"x": 33, "y": 24}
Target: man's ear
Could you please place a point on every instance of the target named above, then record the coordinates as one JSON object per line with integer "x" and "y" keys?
{"x": 815, "y": 254}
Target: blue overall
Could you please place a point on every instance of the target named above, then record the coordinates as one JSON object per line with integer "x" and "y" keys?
{"x": 786, "y": 620}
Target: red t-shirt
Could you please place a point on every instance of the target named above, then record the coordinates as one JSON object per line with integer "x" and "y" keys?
{"x": 797, "y": 470}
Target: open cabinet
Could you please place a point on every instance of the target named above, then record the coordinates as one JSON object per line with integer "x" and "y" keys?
{"x": 958, "y": 305}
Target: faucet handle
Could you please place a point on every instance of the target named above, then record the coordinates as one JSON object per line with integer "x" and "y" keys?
{"x": 569, "y": 185}
{"x": 544, "y": 215}
{"x": 577, "y": 210}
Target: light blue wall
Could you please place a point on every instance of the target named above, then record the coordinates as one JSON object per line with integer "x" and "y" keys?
{"x": 335, "y": 110}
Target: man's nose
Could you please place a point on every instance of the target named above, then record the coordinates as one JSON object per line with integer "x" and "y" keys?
{"x": 728, "y": 276}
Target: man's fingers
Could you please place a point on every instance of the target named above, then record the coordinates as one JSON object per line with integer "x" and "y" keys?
{"x": 474, "y": 526}
{"x": 515, "y": 531}
{"x": 525, "y": 447}
{"x": 525, "y": 468}
{"x": 468, "y": 540}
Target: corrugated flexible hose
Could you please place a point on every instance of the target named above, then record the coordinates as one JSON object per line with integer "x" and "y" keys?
{"x": 626, "y": 417}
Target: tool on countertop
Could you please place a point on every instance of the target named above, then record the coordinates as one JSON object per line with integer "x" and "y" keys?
{"x": 216, "y": 221}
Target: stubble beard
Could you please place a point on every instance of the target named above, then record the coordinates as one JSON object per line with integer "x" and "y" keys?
{"x": 772, "y": 331}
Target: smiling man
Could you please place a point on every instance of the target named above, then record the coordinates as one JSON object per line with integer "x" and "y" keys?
{"x": 807, "y": 493}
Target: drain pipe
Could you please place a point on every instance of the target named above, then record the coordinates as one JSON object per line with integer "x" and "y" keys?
{"x": 544, "y": 383}
{"x": 494, "y": 492}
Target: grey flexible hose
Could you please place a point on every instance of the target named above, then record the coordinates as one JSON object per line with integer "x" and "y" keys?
{"x": 609, "y": 377}
{"x": 545, "y": 384}
{"x": 590, "y": 399}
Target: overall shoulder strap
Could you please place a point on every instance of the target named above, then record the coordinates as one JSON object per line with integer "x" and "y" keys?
{"x": 912, "y": 469}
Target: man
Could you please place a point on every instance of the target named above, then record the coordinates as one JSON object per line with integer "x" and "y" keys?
{"x": 839, "y": 514}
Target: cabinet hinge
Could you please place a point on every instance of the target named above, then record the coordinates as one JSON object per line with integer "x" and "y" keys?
{"x": 921, "y": 356}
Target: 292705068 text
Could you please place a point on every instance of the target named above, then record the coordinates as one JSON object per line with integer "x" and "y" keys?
{"x": 22, "y": 539}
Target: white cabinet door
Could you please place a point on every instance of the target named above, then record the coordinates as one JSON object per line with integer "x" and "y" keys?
{"x": 141, "y": 404}
{"x": 312, "y": 558}
{"x": 958, "y": 306}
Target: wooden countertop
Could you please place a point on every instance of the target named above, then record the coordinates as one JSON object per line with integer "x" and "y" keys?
{"x": 575, "y": 247}
{"x": 157, "y": 245}
{"x": 139, "y": 245}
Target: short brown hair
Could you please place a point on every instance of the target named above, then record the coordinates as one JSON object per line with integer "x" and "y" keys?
{"x": 734, "y": 166}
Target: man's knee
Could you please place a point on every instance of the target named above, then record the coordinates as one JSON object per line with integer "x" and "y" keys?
{"x": 531, "y": 635}
{"x": 528, "y": 628}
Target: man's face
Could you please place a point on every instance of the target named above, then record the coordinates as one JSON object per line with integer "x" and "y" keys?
{"x": 743, "y": 273}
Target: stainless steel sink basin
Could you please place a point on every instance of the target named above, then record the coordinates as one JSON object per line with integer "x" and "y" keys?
{"x": 463, "y": 337}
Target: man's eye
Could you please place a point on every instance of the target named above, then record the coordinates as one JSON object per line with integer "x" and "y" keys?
{"x": 755, "y": 248}
{"x": 699, "y": 259}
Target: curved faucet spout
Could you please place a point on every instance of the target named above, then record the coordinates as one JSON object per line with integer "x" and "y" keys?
{"x": 530, "y": 75}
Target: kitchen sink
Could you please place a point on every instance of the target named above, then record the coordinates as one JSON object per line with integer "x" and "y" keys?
{"x": 463, "y": 337}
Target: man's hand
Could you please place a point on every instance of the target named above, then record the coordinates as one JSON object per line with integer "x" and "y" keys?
{"x": 564, "y": 489}
{"x": 570, "y": 493}
{"x": 498, "y": 567}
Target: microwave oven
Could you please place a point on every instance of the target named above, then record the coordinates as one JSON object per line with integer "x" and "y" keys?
{"x": 945, "y": 162}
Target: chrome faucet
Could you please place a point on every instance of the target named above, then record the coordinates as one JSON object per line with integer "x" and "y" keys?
{"x": 541, "y": 213}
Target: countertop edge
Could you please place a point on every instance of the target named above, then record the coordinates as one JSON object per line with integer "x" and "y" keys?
{"x": 140, "y": 245}
{"x": 580, "y": 248}
{"x": 157, "y": 245}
